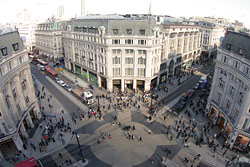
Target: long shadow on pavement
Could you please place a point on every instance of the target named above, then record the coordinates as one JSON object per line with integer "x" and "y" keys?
{"x": 91, "y": 127}
{"x": 156, "y": 127}
{"x": 73, "y": 150}
{"x": 159, "y": 152}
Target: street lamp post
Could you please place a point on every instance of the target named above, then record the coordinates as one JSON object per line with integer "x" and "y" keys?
{"x": 98, "y": 109}
{"x": 77, "y": 138}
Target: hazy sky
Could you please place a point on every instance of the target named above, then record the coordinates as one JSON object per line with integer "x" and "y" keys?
{"x": 231, "y": 9}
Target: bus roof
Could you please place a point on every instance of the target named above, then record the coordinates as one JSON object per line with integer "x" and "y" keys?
{"x": 42, "y": 62}
{"x": 27, "y": 163}
{"x": 52, "y": 71}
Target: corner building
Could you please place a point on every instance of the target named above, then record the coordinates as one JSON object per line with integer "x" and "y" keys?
{"x": 229, "y": 100}
{"x": 18, "y": 103}
{"x": 114, "y": 51}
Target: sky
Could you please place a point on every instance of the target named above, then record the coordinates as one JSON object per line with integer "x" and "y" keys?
{"x": 230, "y": 9}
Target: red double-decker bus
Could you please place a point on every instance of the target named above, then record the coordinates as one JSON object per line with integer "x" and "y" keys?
{"x": 27, "y": 163}
{"x": 51, "y": 72}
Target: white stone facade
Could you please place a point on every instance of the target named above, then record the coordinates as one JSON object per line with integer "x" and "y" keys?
{"x": 210, "y": 38}
{"x": 49, "y": 39}
{"x": 18, "y": 103}
{"x": 123, "y": 52}
{"x": 180, "y": 49}
{"x": 229, "y": 100}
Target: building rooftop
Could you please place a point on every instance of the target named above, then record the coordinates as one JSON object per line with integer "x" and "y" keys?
{"x": 102, "y": 17}
{"x": 10, "y": 41}
{"x": 238, "y": 43}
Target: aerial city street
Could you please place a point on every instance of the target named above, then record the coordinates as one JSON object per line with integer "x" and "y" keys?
{"x": 124, "y": 90}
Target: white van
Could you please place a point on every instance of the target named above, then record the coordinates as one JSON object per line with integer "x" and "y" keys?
{"x": 203, "y": 78}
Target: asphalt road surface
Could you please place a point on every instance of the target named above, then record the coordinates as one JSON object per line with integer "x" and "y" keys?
{"x": 62, "y": 98}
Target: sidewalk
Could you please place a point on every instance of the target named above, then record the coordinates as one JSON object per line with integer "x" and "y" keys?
{"x": 52, "y": 117}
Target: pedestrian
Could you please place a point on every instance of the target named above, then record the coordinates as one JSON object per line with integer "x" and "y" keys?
{"x": 140, "y": 139}
{"x": 60, "y": 155}
{"x": 149, "y": 131}
{"x": 109, "y": 136}
{"x": 223, "y": 154}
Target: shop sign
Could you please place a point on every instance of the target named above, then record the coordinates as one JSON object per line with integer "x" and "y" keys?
{"x": 128, "y": 81}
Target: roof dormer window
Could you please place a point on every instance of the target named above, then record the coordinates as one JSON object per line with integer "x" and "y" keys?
{"x": 4, "y": 51}
{"x": 15, "y": 46}
{"x": 115, "y": 31}
{"x": 241, "y": 51}
{"x": 229, "y": 47}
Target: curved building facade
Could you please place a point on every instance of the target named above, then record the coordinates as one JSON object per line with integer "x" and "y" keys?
{"x": 229, "y": 100}
{"x": 18, "y": 103}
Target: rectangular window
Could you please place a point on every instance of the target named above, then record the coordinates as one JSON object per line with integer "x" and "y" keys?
{"x": 5, "y": 128}
{"x": 18, "y": 108}
{"x": 27, "y": 100}
{"x": 232, "y": 91}
{"x": 221, "y": 83}
{"x": 10, "y": 65}
{"x": 129, "y": 71}
{"x": 218, "y": 96}
{"x": 246, "y": 70}
{"x": 116, "y": 41}
{"x": 14, "y": 92}
{"x": 141, "y": 72}
{"x": 4, "y": 51}
{"x": 142, "y": 32}
{"x": 240, "y": 98}
{"x": 116, "y": 60}
{"x": 24, "y": 84}
{"x": 115, "y": 31}
{"x": 142, "y": 42}
{"x": 245, "y": 124}
{"x": 116, "y": 51}
{"x": 128, "y": 41}
{"x": 228, "y": 104}
{"x": 129, "y": 60}
{"x": 142, "y": 60}
{"x": 225, "y": 59}
{"x": 116, "y": 71}
{"x": 144, "y": 52}
{"x": 235, "y": 115}
{"x": 15, "y": 46}
{"x": 129, "y": 51}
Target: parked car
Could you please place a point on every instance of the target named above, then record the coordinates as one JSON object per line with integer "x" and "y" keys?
{"x": 68, "y": 87}
{"x": 190, "y": 93}
{"x": 184, "y": 96}
{"x": 181, "y": 105}
{"x": 61, "y": 83}
{"x": 196, "y": 86}
{"x": 57, "y": 79}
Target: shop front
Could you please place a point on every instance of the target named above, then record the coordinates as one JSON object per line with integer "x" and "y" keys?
{"x": 117, "y": 83}
{"x": 177, "y": 70}
{"x": 84, "y": 74}
{"x": 154, "y": 83}
{"x": 140, "y": 84}
{"x": 228, "y": 130}
{"x": 212, "y": 113}
{"x": 242, "y": 143}
{"x": 77, "y": 70}
{"x": 103, "y": 82}
{"x": 129, "y": 84}
{"x": 163, "y": 77}
{"x": 221, "y": 121}
{"x": 93, "y": 77}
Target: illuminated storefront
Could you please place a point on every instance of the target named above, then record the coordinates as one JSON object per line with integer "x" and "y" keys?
{"x": 241, "y": 143}
{"x": 212, "y": 113}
